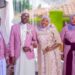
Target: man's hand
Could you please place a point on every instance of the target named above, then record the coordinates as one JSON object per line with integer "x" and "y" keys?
{"x": 12, "y": 60}
{"x": 26, "y": 49}
{"x": 34, "y": 45}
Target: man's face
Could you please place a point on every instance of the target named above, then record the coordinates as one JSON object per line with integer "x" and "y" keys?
{"x": 73, "y": 20}
{"x": 25, "y": 18}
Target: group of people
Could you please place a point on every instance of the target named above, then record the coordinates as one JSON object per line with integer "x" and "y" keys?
{"x": 24, "y": 37}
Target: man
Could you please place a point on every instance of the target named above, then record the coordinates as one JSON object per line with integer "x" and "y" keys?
{"x": 2, "y": 55}
{"x": 22, "y": 40}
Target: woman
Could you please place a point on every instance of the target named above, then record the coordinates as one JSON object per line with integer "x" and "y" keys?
{"x": 68, "y": 38}
{"x": 49, "y": 59}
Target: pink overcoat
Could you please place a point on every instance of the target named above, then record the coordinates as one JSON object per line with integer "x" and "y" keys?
{"x": 15, "y": 41}
{"x": 2, "y": 47}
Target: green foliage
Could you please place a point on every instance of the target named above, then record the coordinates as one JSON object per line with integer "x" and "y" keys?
{"x": 66, "y": 19}
{"x": 21, "y": 5}
{"x": 56, "y": 19}
{"x": 36, "y": 20}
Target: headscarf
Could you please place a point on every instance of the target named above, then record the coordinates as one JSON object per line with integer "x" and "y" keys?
{"x": 45, "y": 17}
{"x": 70, "y": 25}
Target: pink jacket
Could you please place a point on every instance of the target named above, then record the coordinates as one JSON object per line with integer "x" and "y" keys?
{"x": 15, "y": 41}
{"x": 2, "y": 47}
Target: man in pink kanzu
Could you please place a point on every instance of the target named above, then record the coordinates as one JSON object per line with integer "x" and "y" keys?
{"x": 22, "y": 41}
{"x": 2, "y": 56}
{"x": 3, "y": 53}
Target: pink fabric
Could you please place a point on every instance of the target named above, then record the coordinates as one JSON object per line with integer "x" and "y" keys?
{"x": 15, "y": 41}
{"x": 70, "y": 35}
{"x": 2, "y": 47}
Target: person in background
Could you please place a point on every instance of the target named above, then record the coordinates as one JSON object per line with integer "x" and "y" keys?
{"x": 49, "y": 48}
{"x": 68, "y": 38}
{"x": 2, "y": 55}
{"x": 22, "y": 40}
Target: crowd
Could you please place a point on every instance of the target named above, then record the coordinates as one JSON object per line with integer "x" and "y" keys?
{"x": 18, "y": 58}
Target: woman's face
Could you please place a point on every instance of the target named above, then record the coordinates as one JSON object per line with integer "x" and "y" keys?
{"x": 73, "y": 20}
{"x": 44, "y": 22}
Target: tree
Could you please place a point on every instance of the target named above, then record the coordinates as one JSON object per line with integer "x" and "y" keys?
{"x": 21, "y": 5}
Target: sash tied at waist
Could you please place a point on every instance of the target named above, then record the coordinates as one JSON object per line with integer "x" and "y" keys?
{"x": 69, "y": 58}
{"x": 67, "y": 42}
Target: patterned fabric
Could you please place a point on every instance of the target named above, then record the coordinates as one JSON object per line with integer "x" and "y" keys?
{"x": 50, "y": 63}
{"x": 69, "y": 35}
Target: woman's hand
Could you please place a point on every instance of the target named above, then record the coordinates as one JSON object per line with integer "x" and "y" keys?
{"x": 47, "y": 49}
{"x": 57, "y": 45}
{"x": 61, "y": 47}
